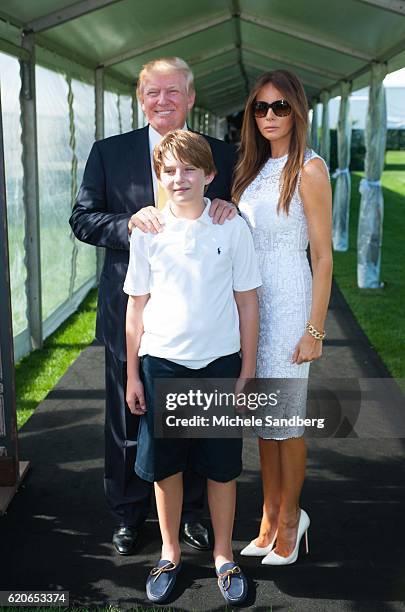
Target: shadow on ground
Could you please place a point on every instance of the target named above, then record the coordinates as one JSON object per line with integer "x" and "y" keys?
{"x": 57, "y": 532}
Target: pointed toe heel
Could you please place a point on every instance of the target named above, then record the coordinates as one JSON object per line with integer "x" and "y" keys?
{"x": 251, "y": 550}
{"x": 303, "y": 525}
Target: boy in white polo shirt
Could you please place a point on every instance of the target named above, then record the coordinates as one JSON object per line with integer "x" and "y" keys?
{"x": 192, "y": 309}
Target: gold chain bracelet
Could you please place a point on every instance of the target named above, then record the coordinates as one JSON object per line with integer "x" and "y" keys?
{"x": 314, "y": 332}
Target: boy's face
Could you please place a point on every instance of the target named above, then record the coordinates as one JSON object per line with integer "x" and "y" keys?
{"x": 184, "y": 183}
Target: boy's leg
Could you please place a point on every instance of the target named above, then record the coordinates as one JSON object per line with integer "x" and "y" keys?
{"x": 194, "y": 485}
{"x": 231, "y": 579}
{"x": 220, "y": 459}
{"x": 222, "y": 500}
{"x": 169, "y": 501}
{"x": 164, "y": 461}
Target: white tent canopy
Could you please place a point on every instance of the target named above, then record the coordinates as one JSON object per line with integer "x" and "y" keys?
{"x": 227, "y": 42}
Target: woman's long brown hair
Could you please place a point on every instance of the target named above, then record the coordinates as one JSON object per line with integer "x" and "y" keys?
{"x": 255, "y": 150}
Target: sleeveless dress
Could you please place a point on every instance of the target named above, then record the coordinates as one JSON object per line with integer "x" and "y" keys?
{"x": 285, "y": 296}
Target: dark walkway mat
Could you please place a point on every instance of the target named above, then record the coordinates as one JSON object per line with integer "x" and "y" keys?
{"x": 57, "y": 532}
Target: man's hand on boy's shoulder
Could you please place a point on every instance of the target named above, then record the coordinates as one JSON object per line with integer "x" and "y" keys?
{"x": 221, "y": 210}
{"x": 149, "y": 220}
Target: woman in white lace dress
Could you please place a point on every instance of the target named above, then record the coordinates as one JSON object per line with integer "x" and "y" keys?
{"x": 283, "y": 191}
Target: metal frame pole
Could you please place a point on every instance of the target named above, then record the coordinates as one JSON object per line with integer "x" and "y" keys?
{"x": 207, "y": 123}
{"x": 73, "y": 182}
{"x": 220, "y": 127}
{"x": 99, "y": 96}
{"x": 325, "y": 135}
{"x": 190, "y": 119}
{"x": 196, "y": 114}
{"x": 119, "y": 113}
{"x": 31, "y": 192}
{"x": 213, "y": 125}
{"x": 99, "y": 80}
{"x": 8, "y": 425}
{"x": 11, "y": 471}
{"x": 314, "y": 127}
{"x": 134, "y": 100}
{"x": 142, "y": 122}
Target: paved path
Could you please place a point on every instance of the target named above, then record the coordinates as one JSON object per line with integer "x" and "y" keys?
{"x": 57, "y": 531}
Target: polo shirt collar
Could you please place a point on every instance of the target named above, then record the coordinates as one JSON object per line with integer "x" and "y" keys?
{"x": 204, "y": 218}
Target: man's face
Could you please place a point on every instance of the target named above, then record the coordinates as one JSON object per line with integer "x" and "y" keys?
{"x": 184, "y": 183}
{"x": 165, "y": 100}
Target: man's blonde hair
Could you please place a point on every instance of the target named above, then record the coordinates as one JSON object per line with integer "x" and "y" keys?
{"x": 165, "y": 65}
{"x": 188, "y": 148}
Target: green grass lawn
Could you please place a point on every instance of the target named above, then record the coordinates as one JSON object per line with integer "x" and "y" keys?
{"x": 38, "y": 372}
{"x": 380, "y": 312}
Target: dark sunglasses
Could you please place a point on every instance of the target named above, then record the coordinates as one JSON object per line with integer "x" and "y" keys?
{"x": 281, "y": 108}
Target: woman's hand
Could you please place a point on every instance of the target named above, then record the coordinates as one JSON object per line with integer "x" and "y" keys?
{"x": 241, "y": 389}
{"x": 240, "y": 385}
{"x": 307, "y": 349}
{"x": 135, "y": 396}
{"x": 149, "y": 220}
{"x": 220, "y": 210}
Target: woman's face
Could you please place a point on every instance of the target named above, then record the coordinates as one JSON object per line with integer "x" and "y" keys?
{"x": 271, "y": 127}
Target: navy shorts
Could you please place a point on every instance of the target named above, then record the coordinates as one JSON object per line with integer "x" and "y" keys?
{"x": 218, "y": 459}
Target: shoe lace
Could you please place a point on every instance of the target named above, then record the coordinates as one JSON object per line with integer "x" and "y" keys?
{"x": 225, "y": 577}
{"x": 158, "y": 571}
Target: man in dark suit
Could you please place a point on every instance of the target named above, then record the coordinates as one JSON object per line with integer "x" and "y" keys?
{"x": 119, "y": 191}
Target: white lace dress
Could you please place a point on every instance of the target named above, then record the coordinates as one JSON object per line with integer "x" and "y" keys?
{"x": 284, "y": 298}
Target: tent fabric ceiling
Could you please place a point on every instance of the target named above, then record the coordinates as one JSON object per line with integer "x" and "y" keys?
{"x": 228, "y": 43}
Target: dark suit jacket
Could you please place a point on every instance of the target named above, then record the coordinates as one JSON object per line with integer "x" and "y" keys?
{"x": 117, "y": 182}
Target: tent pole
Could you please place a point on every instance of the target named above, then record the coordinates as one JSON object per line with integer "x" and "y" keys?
{"x": 314, "y": 127}
{"x": 370, "y": 228}
{"x": 11, "y": 471}
{"x": 195, "y": 112}
{"x": 134, "y": 100}
{"x": 99, "y": 89}
{"x": 31, "y": 192}
{"x": 325, "y": 135}
{"x": 341, "y": 196}
{"x": 99, "y": 80}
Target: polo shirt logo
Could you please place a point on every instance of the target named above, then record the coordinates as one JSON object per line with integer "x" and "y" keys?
{"x": 219, "y": 250}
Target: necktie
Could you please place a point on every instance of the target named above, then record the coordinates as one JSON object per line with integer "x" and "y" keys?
{"x": 161, "y": 197}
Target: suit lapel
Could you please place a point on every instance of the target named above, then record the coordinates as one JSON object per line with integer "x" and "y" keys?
{"x": 141, "y": 182}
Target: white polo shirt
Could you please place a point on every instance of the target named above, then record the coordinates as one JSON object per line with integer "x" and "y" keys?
{"x": 191, "y": 270}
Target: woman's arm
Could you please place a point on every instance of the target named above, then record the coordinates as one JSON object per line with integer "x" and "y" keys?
{"x": 316, "y": 195}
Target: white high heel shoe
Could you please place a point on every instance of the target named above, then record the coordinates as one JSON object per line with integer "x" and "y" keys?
{"x": 274, "y": 559}
{"x": 251, "y": 550}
